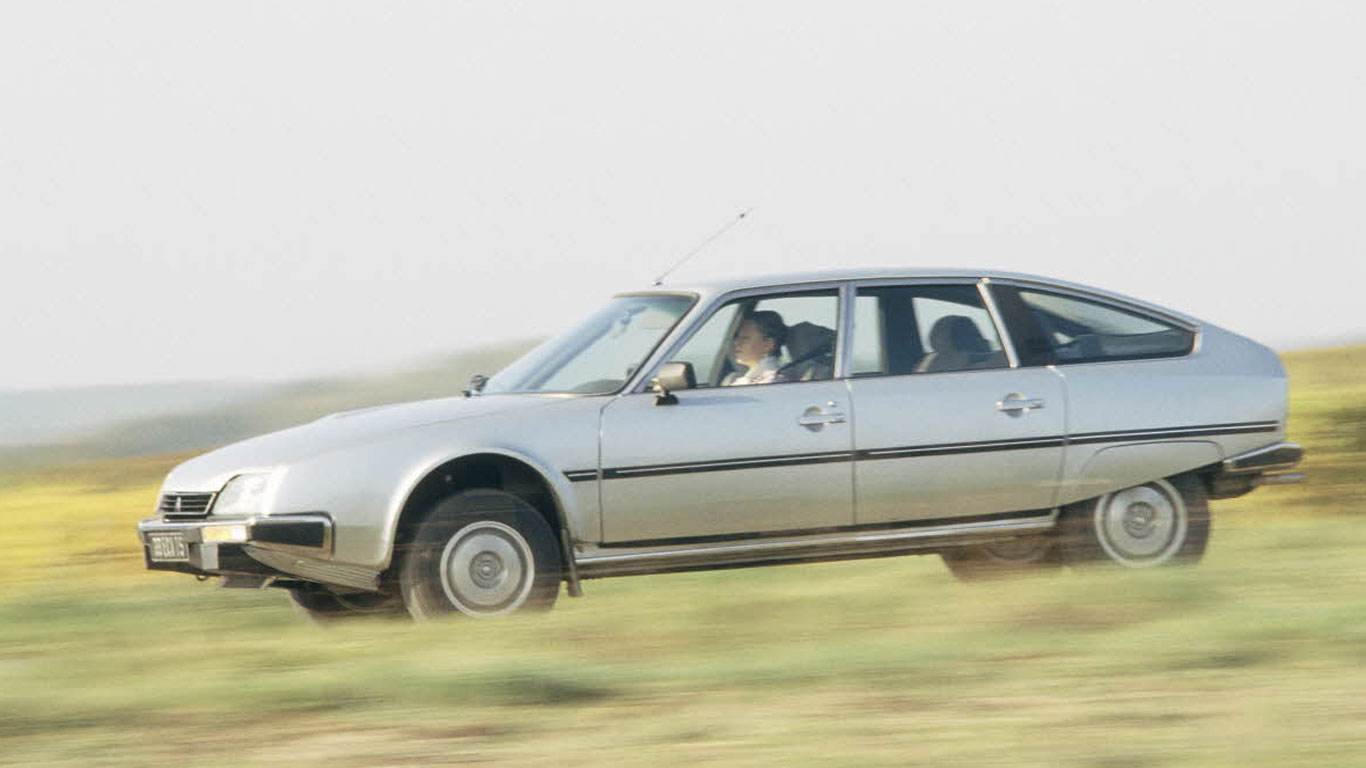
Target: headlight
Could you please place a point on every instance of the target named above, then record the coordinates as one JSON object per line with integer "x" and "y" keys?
{"x": 243, "y": 496}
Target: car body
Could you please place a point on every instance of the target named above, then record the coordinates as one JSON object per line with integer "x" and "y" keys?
{"x": 1005, "y": 421}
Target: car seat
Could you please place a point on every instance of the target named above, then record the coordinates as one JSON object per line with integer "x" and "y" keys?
{"x": 812, "y": 350}
{"x": 957, "y": 345}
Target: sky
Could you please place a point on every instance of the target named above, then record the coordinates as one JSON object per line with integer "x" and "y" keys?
{"x": 268, "y": 190}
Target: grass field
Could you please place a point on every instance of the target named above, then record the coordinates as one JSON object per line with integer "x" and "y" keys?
{"x": 1255, "y": 658}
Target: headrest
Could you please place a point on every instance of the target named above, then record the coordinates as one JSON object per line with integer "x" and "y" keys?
{"x": 806, "y": 340}
{"x": 957, "y": 333}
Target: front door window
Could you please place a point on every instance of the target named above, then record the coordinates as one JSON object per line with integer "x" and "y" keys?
{"x": 766, "y": 340}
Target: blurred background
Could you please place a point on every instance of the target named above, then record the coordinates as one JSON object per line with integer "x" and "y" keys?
{"x": 219, "y": 219}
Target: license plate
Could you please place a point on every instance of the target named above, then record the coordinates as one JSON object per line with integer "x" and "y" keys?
{"x": 167, "y": 546}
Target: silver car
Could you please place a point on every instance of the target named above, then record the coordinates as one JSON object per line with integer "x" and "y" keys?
{"x": 1004, "y": 421}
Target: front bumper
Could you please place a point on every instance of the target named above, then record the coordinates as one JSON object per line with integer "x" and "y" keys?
{"x": 217, "y": 546}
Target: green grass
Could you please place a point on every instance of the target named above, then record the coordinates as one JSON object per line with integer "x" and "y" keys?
{"x": 1255, "y": 658}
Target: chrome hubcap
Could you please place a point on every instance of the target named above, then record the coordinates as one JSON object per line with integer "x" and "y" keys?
{"x": 487, "y": 568}
{"x": 1138, "y": 519}
{"x": 1142, "y": 526}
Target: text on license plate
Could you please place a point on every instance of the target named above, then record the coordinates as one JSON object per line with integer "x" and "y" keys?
{"x": 167, "y": 546}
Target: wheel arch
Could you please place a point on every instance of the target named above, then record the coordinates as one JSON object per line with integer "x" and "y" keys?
{"x": 1118, "y": 467}
{"x": 500, "y": 469}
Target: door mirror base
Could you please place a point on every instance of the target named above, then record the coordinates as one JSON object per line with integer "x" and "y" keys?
{"x": 672, "y": 376}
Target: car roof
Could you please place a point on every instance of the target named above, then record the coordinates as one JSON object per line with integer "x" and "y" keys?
{"x": 710, "y": 288}
{"x": 726, "y": 284}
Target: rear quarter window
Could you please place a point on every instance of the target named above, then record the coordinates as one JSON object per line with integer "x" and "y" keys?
{"x": 1064, "y": 329}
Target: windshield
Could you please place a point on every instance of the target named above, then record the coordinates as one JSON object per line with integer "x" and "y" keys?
{"x": 600, "y": 354}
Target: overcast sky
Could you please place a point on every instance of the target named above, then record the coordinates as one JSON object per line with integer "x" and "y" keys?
{"x": 259, "y": 190}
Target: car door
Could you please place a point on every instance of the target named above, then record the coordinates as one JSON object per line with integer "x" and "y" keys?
{"x": 948, "y": 427}
{"x": 734, "y": 460}
{"x": 1139, "y": 409}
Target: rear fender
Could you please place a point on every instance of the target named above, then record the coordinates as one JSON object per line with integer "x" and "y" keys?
{"x": 1124, "y": 466}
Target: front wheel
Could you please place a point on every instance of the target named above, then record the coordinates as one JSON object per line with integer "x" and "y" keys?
{"x": 1164, "y": 522}
{"x": 481, "y": 553}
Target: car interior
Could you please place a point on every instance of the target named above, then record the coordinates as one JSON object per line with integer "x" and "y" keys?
{"x": 955, "y": 341}
{"x": 811, "y": 349}
{"x": 1075, "y": 341}
{"x": 808, "y": 352}
{"x": 957, "y": 345}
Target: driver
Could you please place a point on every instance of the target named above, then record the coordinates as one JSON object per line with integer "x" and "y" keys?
{"x": 755, "y": 347}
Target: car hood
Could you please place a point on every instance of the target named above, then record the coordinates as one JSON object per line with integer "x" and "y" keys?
{"x": 338, "y": 431}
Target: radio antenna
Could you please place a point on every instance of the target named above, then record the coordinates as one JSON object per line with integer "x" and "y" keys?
{"x": 700, "y": 246}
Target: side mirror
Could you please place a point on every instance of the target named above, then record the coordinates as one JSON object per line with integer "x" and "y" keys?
{"x": 477, "y": 382}
{"x": 672, "y": 376}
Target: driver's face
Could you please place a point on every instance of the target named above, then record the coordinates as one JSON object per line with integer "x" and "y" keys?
{"x": 749, "y": 345}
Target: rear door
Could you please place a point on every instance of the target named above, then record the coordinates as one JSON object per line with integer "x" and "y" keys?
{"x": 1133, "y": 387}
{"x": 948, "y": 425}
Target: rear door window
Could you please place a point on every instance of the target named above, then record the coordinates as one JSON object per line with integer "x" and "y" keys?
{"x": 904, "y": 329}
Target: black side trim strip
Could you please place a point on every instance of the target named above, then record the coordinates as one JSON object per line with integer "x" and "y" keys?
{"x": 758, "y": 462}
{"x": 948, "y": 449}
{"x": 713, "y": 465}
{"x": 1088, "y": 438}
{"x": 913, "y": 451}
{"x": 887, "y": 526}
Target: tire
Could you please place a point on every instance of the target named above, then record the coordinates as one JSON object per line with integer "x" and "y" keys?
{"x": 481, "y": 553}
{"x": 1164, "y": 522}
{"x": 1004, "y": 559}
{"x": 322, "y": 606}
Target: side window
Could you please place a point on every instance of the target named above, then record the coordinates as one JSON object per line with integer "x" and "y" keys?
{"x": 907, "y": 329}
{"x": 1074, "y": 330}
{"x": 766, "y": 340}
{"x": 707, "y": 349}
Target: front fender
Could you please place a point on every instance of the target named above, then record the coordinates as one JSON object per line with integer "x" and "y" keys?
{"x": 365, "y": 486}
{"x": 572, "y": 513}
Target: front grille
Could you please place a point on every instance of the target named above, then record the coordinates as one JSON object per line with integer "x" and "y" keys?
{"x": 185, "y": 506}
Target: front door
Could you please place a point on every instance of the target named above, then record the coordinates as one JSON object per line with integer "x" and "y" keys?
{"x": 762, "y": 445}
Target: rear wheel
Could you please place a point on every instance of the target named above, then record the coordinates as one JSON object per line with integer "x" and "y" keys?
{"x": 1164, "y": 522}
{"x": 1002, "y": 559}
{"x": 482, "y": 553}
